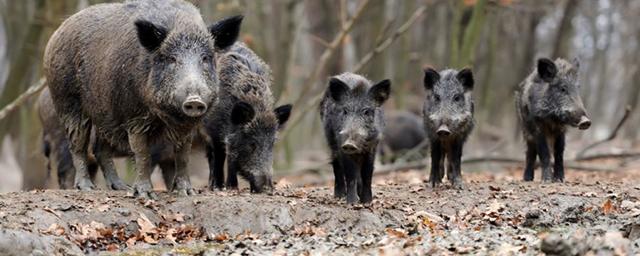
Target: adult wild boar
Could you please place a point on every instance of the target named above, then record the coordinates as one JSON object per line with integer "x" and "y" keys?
{"x": 448, "y": 120}
{"x": 353, "y": 121}
{"x": 55, "y": 147}
{"x": 548, "y": 101}
{"x": 140, "y": 73}
{"x": 244, "y": 122}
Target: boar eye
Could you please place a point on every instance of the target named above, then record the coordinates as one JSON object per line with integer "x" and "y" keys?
{"x": 206, "y": 59}
{"x": 171, "y": 59}
{"x": 436, "y": 97}
{"x": 457, "y": 98}
{"x": 562, "y": 89}
{"x": 344, "y": 111}
{"x": 368, "y": 112}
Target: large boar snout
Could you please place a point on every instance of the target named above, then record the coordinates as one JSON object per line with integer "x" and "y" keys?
{"x": 443, "y": 131}
{"x": 584, "y": 123}
{"x": 349, "y": 147}
{"x": 194, "y": 106}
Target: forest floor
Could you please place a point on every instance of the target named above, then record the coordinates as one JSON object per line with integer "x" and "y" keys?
{"x": 495, "y": 214}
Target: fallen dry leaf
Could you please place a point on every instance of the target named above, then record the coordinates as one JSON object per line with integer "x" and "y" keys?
{"x": 283, "y": 184}
{"x": 397, "y": 232}
{"x": 46, "y": 208}
{"x": 54, "y": 229}
{"x": 146, "y": 226}
{"x": 607, "y": 207}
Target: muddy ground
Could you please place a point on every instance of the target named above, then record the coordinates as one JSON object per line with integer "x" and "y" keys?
{"x": 496, "y": 214}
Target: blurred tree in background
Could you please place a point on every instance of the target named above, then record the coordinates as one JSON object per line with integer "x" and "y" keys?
{"x": 305, "y": 41}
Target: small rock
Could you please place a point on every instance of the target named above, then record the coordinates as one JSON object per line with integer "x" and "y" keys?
{"x": 124, "y": 212}
{"x": 554, "y": 244}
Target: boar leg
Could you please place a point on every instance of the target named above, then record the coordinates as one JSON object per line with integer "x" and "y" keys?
{"x": 351, "y": 168}
{"x": 142, "y": 186}
{"x": 181, "y": 182}
{"x": 105, "y": 161}
{"x": 545, "y": 158}
{"x": 78, "y": 132}
{"x": 168, "y": 168}
{"x": 340, "y": 188}
{"x": 436, "y": 163}
{"x": 61, "y": 156}
{"x": 454, "y": 158}
{"x": 216, "y": 154}
{"x": 530, "y": 164}
{"x": 366, "y": 196}
{"x": 558, "y": 165}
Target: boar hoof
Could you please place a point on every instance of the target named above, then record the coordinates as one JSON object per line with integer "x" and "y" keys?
{"x": 144, "y": 189}
{"x": 457, "y": 184}
{"x": 546, "y": 180}
{"x": 182, "y": 187}
{"x": 352, "y": 199}
{"x": 558, "y": 180}
{"x": 339, "y": 192}
{"x": 84, "y": 185}
{"x": 117, "y": 184}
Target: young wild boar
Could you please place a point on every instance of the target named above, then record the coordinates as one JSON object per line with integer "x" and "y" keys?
{"x": 353, "y": 121}
{"x": 448, "y": 120}
{"x": 141, "y": 73}
{"x": 56, "y": 150}
{"x": 243, "y": 123}
{"x": 403, "y": 132}
{"x": 547, "y": 101}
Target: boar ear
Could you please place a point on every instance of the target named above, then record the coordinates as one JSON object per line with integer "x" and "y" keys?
{"x": 282, "y": 113}
{"x": 150, "y": 36}
{"x": 547, "y": 69}
{"x": 431, "y": 77}
{"x": 337, "y": 89}
{"x": 226, "y": 31}
{"x": 465, "y": 76}
{"x": 242, "y": 113}
{"x": 380, "y": 91}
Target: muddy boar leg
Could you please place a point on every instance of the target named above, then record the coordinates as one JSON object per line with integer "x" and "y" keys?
{"x": 366, "y": 195}
{"x": 340, "y": 187}
{"x": 350, "y": 168}
{"x": 168, "y": 169}
{"x": 558, "y": 165}
{"x": 61, "y": 158}
{"x": 142, "y": 186}
{"x": 78, "y": 131}
{"x": 545, "y": 158}
{"x": 181, "y": 182}
{"x": 232, "y": 177}
{"x": 530, "y": 164}
{"x": 216, "y": 167}
{"x": 105, "y": 161}
{"x": 436, "y": 163}
{"x": 454, "y": 159}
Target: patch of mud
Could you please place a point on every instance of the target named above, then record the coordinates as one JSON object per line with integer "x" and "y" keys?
{"x": 488, "y": 217}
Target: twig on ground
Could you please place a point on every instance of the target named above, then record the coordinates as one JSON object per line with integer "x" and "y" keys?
{"x": 614, "y": 133}
{"x": 34, "y": 89}
{"x": 608, "y": 156}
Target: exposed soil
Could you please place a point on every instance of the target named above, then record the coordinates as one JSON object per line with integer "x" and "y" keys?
{"x": 495, "y": 214}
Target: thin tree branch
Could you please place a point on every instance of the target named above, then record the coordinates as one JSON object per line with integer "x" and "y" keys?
{"x": 614, "y": 133}
{"x": 313, "y": 102}
{"x": 386, "y": 43}
{"x": 328, "y": 53}
{"x": 22, "y": 98}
